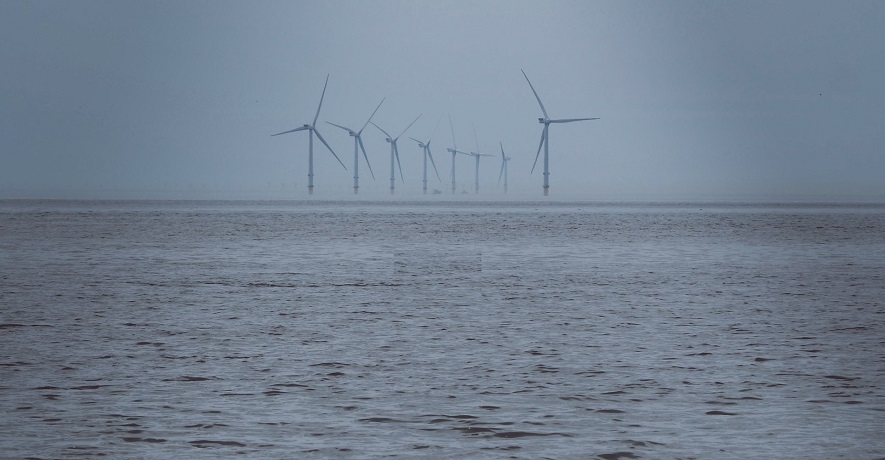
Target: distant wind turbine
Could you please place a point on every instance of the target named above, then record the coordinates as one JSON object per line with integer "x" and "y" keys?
{"x": 545, "y": 134}
{"x": 312, "y": 128}
{"x": 454, "y": 151}
{"x": 357, "y": 145}
{"x": 394, "y": 152}
{"x": 426, "y": 147}
{"x": 504, "y": 160}
{"x": 477, "y": 155}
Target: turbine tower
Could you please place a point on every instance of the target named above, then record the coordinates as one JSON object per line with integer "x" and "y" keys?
{"x": 357, "y": 145}
{"x": 454, "y": 151}
{"x": 426, "y": 147}
{"x": 504, "y": 160}
{"x": 312, "y": 128}
{"x": 545, "y": 134}
{"x": 477, "y": 155}
{"x": 394, "y": 152}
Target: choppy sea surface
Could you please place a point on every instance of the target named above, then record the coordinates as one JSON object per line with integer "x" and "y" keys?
{"x": 310, "y": 329}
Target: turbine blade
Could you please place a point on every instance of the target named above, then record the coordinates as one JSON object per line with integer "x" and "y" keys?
{"x": 536, "y": 93}
{"x": 502, "y": 151}
{"x": 290, "y": 131}
{"x": 416, "y": 140}
{"x": 342, "y": 127}
{"x": 501, "y": 174}
{"x": 432, "y": 163}
{"x": 434, "y": 130}
{"x": 370, "y": 116}
{"x": 410, "y": 125}
{"x": 360, "y": 140}
{"x": 328, "y": 147}
{"x": 321, "y": 102}
{"x": 569, "y": 120}
{"x": 383, "y": 131}
{"x": 541, "y": 144}
{"x": 396, "y": 154}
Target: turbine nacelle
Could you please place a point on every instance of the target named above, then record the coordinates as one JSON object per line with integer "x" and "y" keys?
{"x": 542, "y": 120}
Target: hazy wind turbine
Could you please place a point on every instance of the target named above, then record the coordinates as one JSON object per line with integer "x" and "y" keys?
{"x": 312, "y": 128}
{"x": 357, "y": 145}
{"x": 477, "y": 155}
{"x": 394, "y": 152}
{"x": 504, "y": 160}
{"x": 426, "y": 147}
{"x": 545, "y": 134}
{"x": 454, "y": 151}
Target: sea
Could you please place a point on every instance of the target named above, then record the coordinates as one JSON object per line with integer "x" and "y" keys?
{"x": 441, "y": 329}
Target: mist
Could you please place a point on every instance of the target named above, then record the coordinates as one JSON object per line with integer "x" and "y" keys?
{"x": 774, "y": 101}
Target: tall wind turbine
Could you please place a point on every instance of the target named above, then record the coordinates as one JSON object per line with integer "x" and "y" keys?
{"x": 454, "y": 151}
{"x": 477, "y": 155}
{"x": 394, "y": 152}
{"x": 426, "y": 147}
{"x": 312, "y": 128}
{"x": 545, "y": 134}
{"x": 357, "y": 145}
{"x": 504, "y": 160}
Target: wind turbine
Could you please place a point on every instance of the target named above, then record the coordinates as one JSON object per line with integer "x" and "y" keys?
{"x": 426, "y": 147}
{"x": 545, "y": 135}
{"x": 357, "y": 145}
{"x": 394, "y": 152}
{"x": 312, "y": 128}
{"x": 504, "y": 160}
{"x": 454, "y": 151}
{"x": 477, "y": 155}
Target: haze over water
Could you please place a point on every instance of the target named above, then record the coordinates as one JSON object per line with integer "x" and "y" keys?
{"x": 452, "y": 329}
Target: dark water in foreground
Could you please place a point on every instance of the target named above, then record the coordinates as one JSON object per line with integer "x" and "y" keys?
{"x": 307, "y": 329}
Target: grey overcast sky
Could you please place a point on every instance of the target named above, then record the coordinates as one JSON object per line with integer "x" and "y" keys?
{"x": 699, "y": 100}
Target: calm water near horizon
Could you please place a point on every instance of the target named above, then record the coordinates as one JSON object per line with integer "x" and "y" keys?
{"x": 316, "y": 329}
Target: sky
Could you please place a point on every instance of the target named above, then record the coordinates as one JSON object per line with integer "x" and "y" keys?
{"x": 697, "y": 100}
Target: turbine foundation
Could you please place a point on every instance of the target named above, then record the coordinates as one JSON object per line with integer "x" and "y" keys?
{"x": 546, "y": 190}
{"x": 310, "y": 189}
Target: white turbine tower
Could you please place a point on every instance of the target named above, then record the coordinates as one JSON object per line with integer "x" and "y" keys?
{"x": 394, "y": 152}
{"x": 454, "y": 151}
{"x": 426, "y": 147}
{"x": 357, "y": 145}
{"x": 477, "y": 155}
{"x": 312, "y": 128}
{"x": 545, "y": 134}
{"x": 504, "y": 160}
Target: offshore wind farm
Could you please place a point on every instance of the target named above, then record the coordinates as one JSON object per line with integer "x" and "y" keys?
{"x": 425, "y": 146}
{"x": 713, "y": 102}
